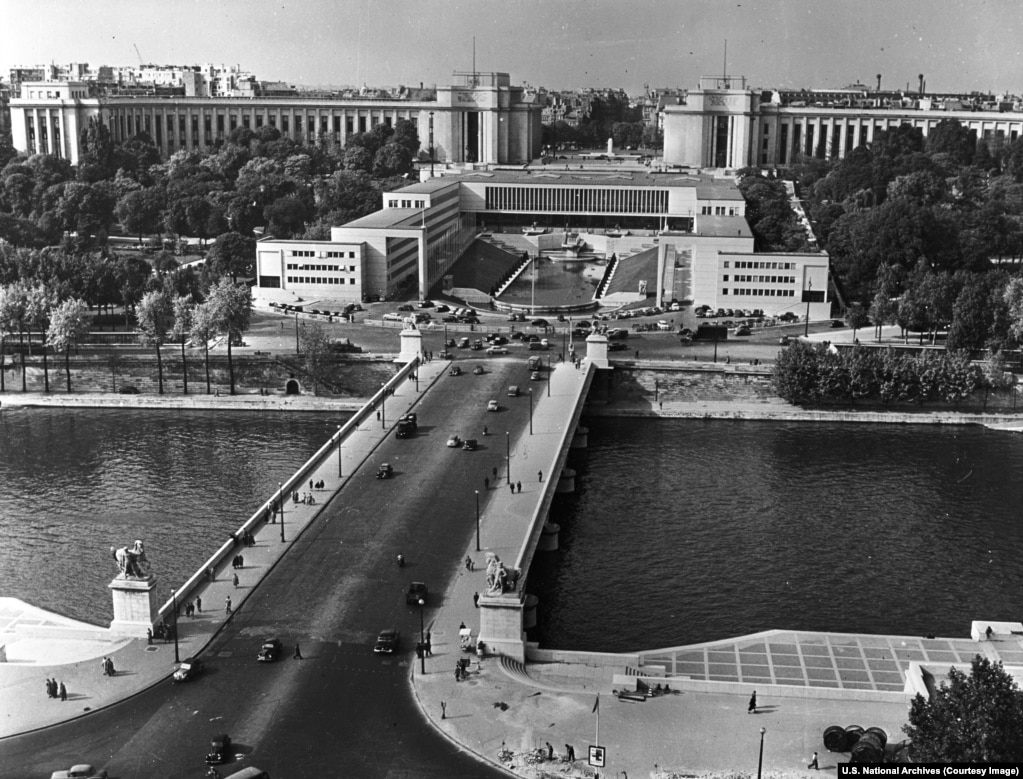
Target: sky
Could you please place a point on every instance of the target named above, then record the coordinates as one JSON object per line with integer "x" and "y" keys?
{"x": 959, "y": 45}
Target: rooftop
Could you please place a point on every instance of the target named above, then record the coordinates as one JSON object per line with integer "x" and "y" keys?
{"x": 389, "y": 217}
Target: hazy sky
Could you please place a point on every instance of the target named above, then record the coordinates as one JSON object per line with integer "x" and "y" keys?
{"x": 959, "y": 45}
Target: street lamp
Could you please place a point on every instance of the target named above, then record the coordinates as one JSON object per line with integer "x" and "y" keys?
{"x": 760, "y": 762}
{"x": 297, "y": 349}
{"x": 548, "y": 375}
{"x": 174, "y": 605}
{"x": 339, "y": 451}
{"x": 531, "y": 411}
{"x": 422, "y": 638}
{"x": 281, "y": 496}
{"x": 507, "y": 454}
{"x": 431, "y": 144}
{"x": 477, "y": 520}
{"x": 383, "y": 408}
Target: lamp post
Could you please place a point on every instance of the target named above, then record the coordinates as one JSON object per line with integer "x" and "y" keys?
{"x": 809, "y": 289}
{"x": 279, "y": 487}
{"x": 531, "y": 411}
{"x": 477, "y": 520}
{"x": 174, "y": 605}
{"x": 339, "y": 451}
{"x": 383, "y": 408}
{"x": 431, "y": 144}
{"x": 760, "y": 761}
{"x": 297, "y": 349}
{"x": 657, "y": 391}
{"x": 548, "y": 375}
{"x": 507, "y": 454}
{"x": 422, "y": 638}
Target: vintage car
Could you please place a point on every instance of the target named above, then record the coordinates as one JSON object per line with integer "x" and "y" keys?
{"x": 270, "y": 651}
{"x": 385, "y": 471}
{"x": 492, "y": 406}
{"x": 454, "y": 442}
{"x": 416, "y": 591}
{"x": 220, "y": 749}
{"x": 470, "y": 444}
{"x": 387, "y": 642}
{"x": 478, "y": 371}
{"x": 190, "y": 668}
{"x": 455, "y": 371}
{"x": 79, "y": 771}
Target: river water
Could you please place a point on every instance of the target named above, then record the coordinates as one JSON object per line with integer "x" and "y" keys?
{"x": 680, "y": 530}
{"x": 75, "y": 482}
{"x": 689, "y": 530}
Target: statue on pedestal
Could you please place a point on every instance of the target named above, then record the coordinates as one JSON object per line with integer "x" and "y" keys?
{"x": 496, "y": 574}
{"x": 132, "y": 562}
{"x": 410, "y": 322}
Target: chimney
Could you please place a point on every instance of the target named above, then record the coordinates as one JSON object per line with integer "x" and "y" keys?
{"x": 878, "y": 82}
{"x": 921, "y": 77}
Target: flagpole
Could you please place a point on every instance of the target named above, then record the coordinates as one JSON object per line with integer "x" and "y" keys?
{"x": 596, "y": 708}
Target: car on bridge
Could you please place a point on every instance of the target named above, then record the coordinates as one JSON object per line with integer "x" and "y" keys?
{"x": 190, "y": 668}
{"x": 469, "y": 445}
{"x": 535, "y": 376}
{"x": 385, "y": 471}
{"x": 79, "y": 771}
{"x": 492, "y": 405}
{"x": 270, "y": 651}
{"x": 387, "y": 642}
{"x": 455, "y": 371}
{"x": 417, "y": 591}
{"x": 220, "y": 749}
{"x": 454, "y": 442}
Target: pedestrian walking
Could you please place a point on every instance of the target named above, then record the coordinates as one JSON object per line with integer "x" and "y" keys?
{"x": 108, "y": 667}
{"x": 227, "y": 604}
{"x": 486, "y": 483}
{"x": 570, "y": 753}
{"x": 476, "y": 600}
{"x": 63, "y": 692}
{"x": 429, "y": 645}
{"x": 310, "y": 485}
{"x": 550, "y": 751}
{"x": 235, "y": 580}
{"x": 813, "y": 762}
{"x": 211, "y": 574}
{"x": 752, "y": 703}
{"x": 198, "y": 604}
{"x": 512, "y": 488}
{"x": 495, "y": 473}
{"x": 298, "y": 652}
{"x": 539, "y": 475}
{"x": 443, "y": 710}
{"x": 50, "y": 692}
{"x": 105, "y": 667}
{"x": 518, "y": 486}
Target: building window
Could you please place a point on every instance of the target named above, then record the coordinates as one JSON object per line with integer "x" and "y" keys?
{"x": 724, "y": 291}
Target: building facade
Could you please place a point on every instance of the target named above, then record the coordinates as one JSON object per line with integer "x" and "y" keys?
{"x": 724, "y": 124}
{"x": 482, "y": 120}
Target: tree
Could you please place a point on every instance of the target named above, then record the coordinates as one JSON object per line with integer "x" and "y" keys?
{"x": 231, "y": 306}
{"x": 203, "y": 329}
{"x": 69, "y": 323}
{"x": 38, "y": 303}
{"x": 857, "y": 317}
{"x": 153, "y": 317}
{"x": 971, "y": 719}
{"x": 141, "y": 212}
{"x": 11, "y": 313}
{"x": 232, "y": 255}
{"x": 183, "y": 311}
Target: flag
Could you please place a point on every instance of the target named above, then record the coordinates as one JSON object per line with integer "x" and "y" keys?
{"x": 596, "y": 705}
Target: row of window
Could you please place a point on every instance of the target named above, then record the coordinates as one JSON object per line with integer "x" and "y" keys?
{"x": 719, "y": 211}
{"x": 313, "y": 253}
{"x": 396, "y": 203}
{"x": 319, "y": 280}
{"x": 761, "y": 279}
{"x": 321, "y": 268}
{"x": 605, "y": 200}
{"x": 751, "y": 265}
{"x": 762, "y": 293}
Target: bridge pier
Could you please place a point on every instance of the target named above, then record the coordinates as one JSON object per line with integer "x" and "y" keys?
{"x": 549, "y": 537}
{"x": 580, "y": 439}
{"x": 566, "y": 482}
{"x": 529, "y": 613}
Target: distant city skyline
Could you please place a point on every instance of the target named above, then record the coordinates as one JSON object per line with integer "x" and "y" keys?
{"x": 958, "y": 45}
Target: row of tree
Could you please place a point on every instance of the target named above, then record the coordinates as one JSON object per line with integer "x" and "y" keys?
{"x": 257, "y": 178}
{"x": 814, "y": 373}
{"x": 161, "y": 318}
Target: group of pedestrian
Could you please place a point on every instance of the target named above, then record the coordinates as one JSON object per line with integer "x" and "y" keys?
{"x": 238, "y": 561}
{"x": 250, "y": 540}
{"x": 108, "y": 667}
{"x": 516, "y": 487}
{"x": 55, "y": 689}
{"x": 316, "y": 485}
{"x": 190, "y": 607}
{"x": 470, "y": 564}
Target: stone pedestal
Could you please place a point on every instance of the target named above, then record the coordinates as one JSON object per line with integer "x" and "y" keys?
{"x": 134, "y": 609}
{"x": 596, "y": 351}
{"x": 501, "y": 625}
{"x": 411, "y": 345}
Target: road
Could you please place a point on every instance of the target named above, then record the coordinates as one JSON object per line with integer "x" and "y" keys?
{"x": 342, "y": 710}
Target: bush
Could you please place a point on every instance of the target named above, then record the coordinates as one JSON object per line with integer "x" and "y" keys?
{"x": 128, "y": 389}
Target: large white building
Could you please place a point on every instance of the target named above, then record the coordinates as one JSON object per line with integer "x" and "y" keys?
{"x": 725, "y": 124}
{"x": 481, "y": 120}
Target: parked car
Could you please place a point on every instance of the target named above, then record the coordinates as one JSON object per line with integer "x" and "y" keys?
{"x": 441, "y": 309}
{"x": 392, "y": 317}
{"x": 617, "y": 346}
{"x": 385, "y": 471}
{"x": 540, "y": 323}
{"x": 426, "y": 304}
{"x": 478, "y": 371}
{"x": 450, "y": 318}
{"x": 535, "y": 376}
{"x": 470, "y": 444}
{"x": 455, "y": 371}
{"x": 270, "y": 651}
{"x": 387, "y": 642}
{"x": 463, "y": 343}
{"x": 663, "y": 325}
{"x": 784, "y": 340}
{"x": 513, "y": 391}
{"x": 79, "y": 771}
{"x": 743, "y": 330}
{"x": 220, "y": 749}
{"x": 494, "y": 350}
{"x": 406, "y": 307}
{"x": 416, "y": 591}
{"x": 454, "y": 441}
{"x": 477, "y": 345}
{"x": 492, "y": 406}
{"x": 837, "y": 323}
{"x": 190, "y": 668}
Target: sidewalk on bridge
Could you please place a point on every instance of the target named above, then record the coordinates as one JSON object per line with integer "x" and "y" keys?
{"x": 76, "y": 658}
{"x": 505, "y": 708}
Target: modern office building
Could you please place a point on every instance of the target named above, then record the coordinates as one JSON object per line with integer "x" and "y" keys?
{"x": 725, "y": 124}
{"x": 481, "y": 120}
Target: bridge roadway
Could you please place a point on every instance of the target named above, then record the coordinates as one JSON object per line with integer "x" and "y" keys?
{"x": 341, "y": 706}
